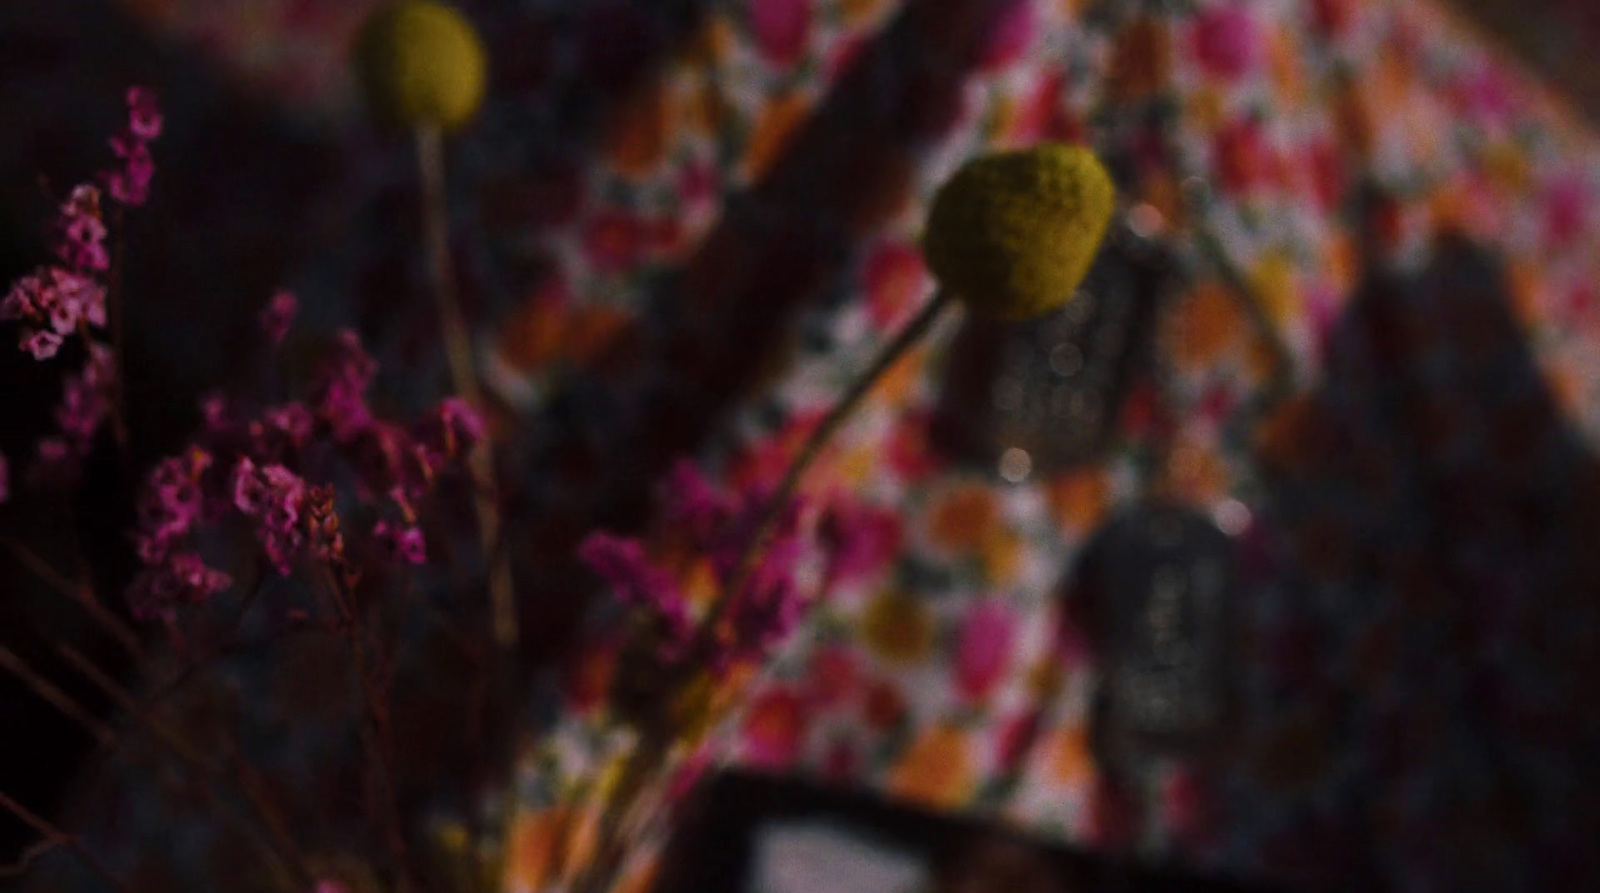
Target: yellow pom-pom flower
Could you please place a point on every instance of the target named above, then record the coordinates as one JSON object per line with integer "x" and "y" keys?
{"x": 422, "y": 64}
{"x": 1013, "y": 233}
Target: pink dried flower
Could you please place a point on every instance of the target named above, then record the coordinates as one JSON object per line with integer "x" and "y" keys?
{"x": 402, "y": 542}
{"x": 279, "y": 316}
{"x": 340, "y": 394}
{"x": 695, "y": 506}
{"x": 770, "y": 605}
{"x": 274, "y": 497}
{"x": 448, "y": 433}
{"x": 281, "y": 432}
{"x": 86, "y": 399}
{"x": 389, "y": 463}
{"x": 181, "y": 579}
{"x": 170, "y": 504}
{"x": 56, "y": 301}
{"x": 41, "y": 343}
{"x": 144, "y": 115}
{"x": 82, "y": 231}
{"x": 130, "y": 183}
{"x": 637, "y": 582}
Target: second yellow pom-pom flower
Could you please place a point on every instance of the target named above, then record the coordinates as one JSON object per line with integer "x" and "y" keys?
{"x": 421, "y": 64}
{"x": 1013, "y": 234}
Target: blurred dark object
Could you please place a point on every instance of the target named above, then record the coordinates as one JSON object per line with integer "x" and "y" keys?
{"x": 1555, "y": 37}
{"x": 1043, "y": 396}
{"x": 715, "y": 849}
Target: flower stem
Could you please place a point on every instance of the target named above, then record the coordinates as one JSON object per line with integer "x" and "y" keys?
{"x": 611, "y": 849}
{"x": 119, "y": 387}
{"x": 464, "y": 379}
{"x": 56, "y": 837}
{"x": 907, "y": 338}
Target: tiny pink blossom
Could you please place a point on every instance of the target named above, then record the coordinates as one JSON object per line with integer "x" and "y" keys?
{"x": 41, "y": 343}
{"x": 144, "y": 114}
{"x": 403, "y": 542}
{"x": 82, "y": 231}
{"x": 130, "y": 184}
{"x": 279, "y": 316}
{"x": 183, "y": 578}
{"x": 448, "y": 432}
{"x": 636, "y": 582}
{"x": 274, "y": 497}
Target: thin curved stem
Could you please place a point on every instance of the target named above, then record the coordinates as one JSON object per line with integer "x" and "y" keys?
{"x": 907, "y": 338}
{"x": 464, "y": 379}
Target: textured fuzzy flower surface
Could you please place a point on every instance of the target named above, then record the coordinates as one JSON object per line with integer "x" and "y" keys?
{"x": 422, "y": 63}
{"x": 1012, "y": 234}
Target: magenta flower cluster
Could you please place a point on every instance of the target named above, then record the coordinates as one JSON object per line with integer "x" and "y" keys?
{"x": 719, "y": 525}
{"x": 59, "y": 299}
{"x": 257, "y": 469}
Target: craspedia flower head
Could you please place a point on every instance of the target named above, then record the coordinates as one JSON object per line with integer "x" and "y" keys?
{"x": 421, "y": 64}
{"x": 1013, "y": 233}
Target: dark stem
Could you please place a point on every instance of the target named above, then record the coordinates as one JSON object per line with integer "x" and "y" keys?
{"x": 55, "y": 697}
{"x": 373, "y": 729}
{"x": 464, "y": 379}
{"x": 119, "y": 388}
{"x": 907, "y": 338}
{"x": 82, "y": 595}
{"x": 54, "y": 837}
{"x": 280, "y": 853}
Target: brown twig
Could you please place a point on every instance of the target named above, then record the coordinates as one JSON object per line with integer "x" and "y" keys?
{"x": 54, "y": 837}
{"x": 372, "y": 725}
{"x": 281, "y": 852}
{"x": 81, "y": 595}
{"x": 55, "y": 697}
{"x": 24, "y": 863}
{"x": 464, "y": 379}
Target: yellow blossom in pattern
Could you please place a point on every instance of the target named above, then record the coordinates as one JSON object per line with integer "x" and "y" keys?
{"x": 897, "y": 628}
{"x": 1013, "y": 233}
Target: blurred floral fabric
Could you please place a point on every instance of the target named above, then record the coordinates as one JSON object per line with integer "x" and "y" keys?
{"x": 629, "y": 245}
